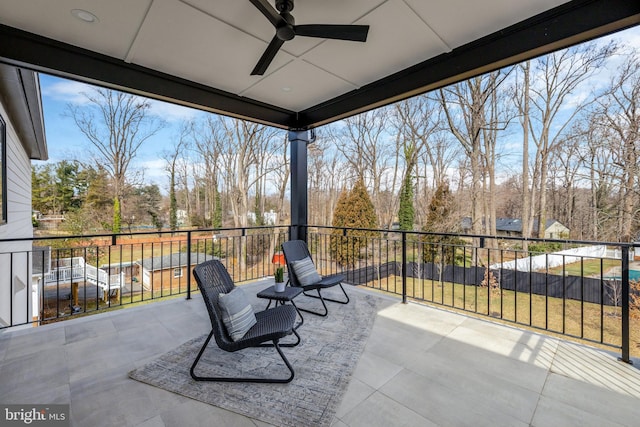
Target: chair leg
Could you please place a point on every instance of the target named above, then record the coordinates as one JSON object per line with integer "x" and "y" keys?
{"x": 242, "y": 379}
{"x": 317, "y": 313}
{"x": 346, "y": 301}
{"x": 291, "y": 344}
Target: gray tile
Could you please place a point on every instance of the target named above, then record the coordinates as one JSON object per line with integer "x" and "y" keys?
{"x": 597, "y": 367}
{"x": 33, "y": 373}
{"x": 381, "y": 411}
{"x": 374, "y": 370}
{"x": 454, "y": 401}
{"x": 153, "y": 422}
{"x": 88, "y": 356}
{"x": 112, "y": 399}
{"x": 554, "y": 413}
{"x": 421, "y": 366}
{"x": 192, "y": 413}
{"x": 495, "y": 364}
{"x": 356, "y": 393}
{"x": 34, "y": 340}
{"x": 77, "y": 331}
{"x": 590, "y": 399}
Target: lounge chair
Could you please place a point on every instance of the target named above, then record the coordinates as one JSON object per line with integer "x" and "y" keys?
{"x": 297, "y": 254}
{"x": 270, "y": 325}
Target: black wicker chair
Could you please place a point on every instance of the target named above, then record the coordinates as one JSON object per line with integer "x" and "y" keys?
{"x": 272, "y": 324}
{"x": 295, "y": 250}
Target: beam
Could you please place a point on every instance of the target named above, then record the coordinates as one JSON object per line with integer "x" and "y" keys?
{"x": 566, "y": 25}
{"x": 41, "y": 54}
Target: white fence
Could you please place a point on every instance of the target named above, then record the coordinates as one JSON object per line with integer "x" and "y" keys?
{"x": 555, "y": 259}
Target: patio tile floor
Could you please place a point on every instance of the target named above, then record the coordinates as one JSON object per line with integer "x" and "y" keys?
{"x": 422, "y": 366}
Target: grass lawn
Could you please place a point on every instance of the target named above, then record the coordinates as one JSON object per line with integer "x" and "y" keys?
{"x": 588, "y": 268}
{"x": 587, "y": 321}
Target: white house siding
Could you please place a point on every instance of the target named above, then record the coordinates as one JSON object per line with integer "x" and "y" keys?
{"x": 557, "y": 231}
{"x": 15, "y": 266}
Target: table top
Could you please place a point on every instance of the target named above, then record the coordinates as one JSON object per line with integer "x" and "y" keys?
{"x": 290, "y": 292}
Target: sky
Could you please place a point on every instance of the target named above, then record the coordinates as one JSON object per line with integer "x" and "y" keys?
{"x": 66, "y": 142}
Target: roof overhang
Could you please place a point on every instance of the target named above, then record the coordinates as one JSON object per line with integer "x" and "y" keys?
{"x": 568, "y": 24}
{"x": 20, "y": 90}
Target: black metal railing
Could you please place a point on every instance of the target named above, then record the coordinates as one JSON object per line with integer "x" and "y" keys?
{"x": 54, "y": 278}
{"x": 578, "y": 289}
{"x": 586, "y": 290}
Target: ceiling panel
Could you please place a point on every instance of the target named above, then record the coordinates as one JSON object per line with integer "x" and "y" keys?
{"x": 111, "y": 35}
{"x": 241, "y": 14}
{"x": 178, "y": 39}
{"x": 397, "y": 39}
{"x": 459, "y": 22}
{"x": 297, "y": 85}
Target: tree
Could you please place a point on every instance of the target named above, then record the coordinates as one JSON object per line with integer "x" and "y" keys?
{"x": 416, "y": 121}
{"x": 471, "y": 111}
{"x": 557, "y": 76}
{"x": 115, "y": 124}
{"x": 362, "y": 141}
{"x": 618, "y": 114}
{"x": 353, "y": 210}
{"x": 438, "y": 248}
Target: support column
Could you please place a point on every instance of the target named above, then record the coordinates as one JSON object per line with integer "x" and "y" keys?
{"x": 299, "y": 205}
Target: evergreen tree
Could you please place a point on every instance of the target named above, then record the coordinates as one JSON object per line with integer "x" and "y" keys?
{"x": 173, "y": 203}
{"x": 354, "y": 210}
{"x": 217, "y": 213}
{"x": 439, "y": 248}
{"x": 406, "y": 212}
{"x": 117, "y": 215}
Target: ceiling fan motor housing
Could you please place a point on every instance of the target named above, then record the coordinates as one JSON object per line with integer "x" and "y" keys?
{"x": 286, "y": 32}
{"x": 284, "y": 5}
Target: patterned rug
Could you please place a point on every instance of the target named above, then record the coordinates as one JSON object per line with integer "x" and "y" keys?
{"x": 323, "y": 362}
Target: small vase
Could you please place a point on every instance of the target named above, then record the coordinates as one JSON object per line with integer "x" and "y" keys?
{"x": 280, "y": 286}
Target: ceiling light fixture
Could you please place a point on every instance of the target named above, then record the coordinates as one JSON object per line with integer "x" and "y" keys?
{"x": 84, "y": 16}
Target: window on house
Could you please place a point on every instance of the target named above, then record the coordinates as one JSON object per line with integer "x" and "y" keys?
{"x": 3, "y": 171}
{"x": 177, "y": 272}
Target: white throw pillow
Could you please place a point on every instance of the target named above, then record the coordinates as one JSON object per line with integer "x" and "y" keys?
{"x": 305, "y": 272}
{"x": 237, "y": 314}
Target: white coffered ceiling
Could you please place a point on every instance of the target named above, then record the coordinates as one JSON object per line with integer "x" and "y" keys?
{"x": 216, "y": 43}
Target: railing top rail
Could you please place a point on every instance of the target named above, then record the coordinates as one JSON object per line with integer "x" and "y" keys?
{"x": 141, "y": 233}
{"x": 485, "y": 236}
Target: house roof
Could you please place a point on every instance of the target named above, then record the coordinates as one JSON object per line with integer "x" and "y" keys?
{"x": 20, "y": 93}
{"x": 200, "y": 53}
{"x": 174, "y": 260}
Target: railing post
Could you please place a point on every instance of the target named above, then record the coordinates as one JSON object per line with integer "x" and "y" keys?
{"x": 299, "y": 139}
{"x": 188, "y": 264}
{"x": 114, "y": 239}
{"x": 625, "y": 305}
{"x": 404, "y": 267}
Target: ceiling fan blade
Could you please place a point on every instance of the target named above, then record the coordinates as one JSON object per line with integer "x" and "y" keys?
{"x": 267, "y": 10}
{"x": 356, "y": 33}
{"x": 267, "y": 56}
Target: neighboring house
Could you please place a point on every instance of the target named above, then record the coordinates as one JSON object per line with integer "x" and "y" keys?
{"x": 22, "y": 138}
{"x": 181, "y": 217}
{"x": 169, "y": 271}
{"x": 513, "y": 227}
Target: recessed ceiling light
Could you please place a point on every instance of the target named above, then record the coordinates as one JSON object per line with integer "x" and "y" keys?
{"x": 286, "y": 89}
{"x": 84, "y": 16}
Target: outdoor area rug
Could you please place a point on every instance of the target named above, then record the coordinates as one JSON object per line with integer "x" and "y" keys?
{"x": 323, "y": 362}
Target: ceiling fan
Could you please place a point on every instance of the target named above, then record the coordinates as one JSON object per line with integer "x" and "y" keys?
{"x": 286, "y": 30}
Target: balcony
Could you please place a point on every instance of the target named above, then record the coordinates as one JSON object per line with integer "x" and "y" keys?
{"x": 421, "y": 366}
{"x": 452, "y": 362}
